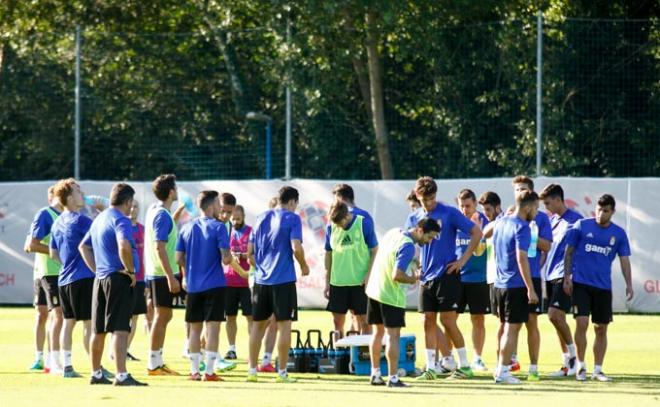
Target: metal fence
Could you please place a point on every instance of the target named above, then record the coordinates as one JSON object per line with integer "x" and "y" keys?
{"x": 467, "y": 101}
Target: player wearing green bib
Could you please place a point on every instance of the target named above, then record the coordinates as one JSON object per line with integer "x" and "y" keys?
{"x": 161, "y": 268}
{"x": 46, "y": 296}
{"x": 351, "y": 247}
{"x": 387, "y": 293}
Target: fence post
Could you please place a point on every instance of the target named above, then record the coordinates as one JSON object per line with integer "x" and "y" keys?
{"x": 539, "y": 92}
{"x": 287, "y": 153}
{"x": 76, "y": 162}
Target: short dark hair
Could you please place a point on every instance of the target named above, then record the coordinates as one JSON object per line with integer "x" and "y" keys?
{"x": 490, "y": 198}
{"x": 426, "y": 186}
{"x": 227, "y": 199}
{"x": 429, "y": 225}
{"x": 162, "y": 186}
{"x": 121, "y": 193}
{"x": 467, "y": 194}
{"x": 240, "y": 209}
{"x": 526, "y": 198}
{"x": 338, "y": 211}
{"x": 344, "y": 191}
{"x": 606, "y": 200}
{"x": 552, "y": 191}
{"x": 412, "y": 197}
{"x": 523, "y": 179}
{"x": 206, "y": 198}
{"x": 286, "y": 194}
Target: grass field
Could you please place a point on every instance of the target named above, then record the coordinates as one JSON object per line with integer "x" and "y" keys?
{"x": 633, "y": 360}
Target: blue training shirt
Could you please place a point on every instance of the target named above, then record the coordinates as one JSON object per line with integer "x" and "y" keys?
{"x": 67, "y": 233}
{"x": 595, "y": 250}
{"x": 273, "y": 252}
{"x": 511, "y": 234}
{"x": 42, "y": 223}
{"x": 554, "y": 264}
{"x": 201, "y": 240}
{"x": 474, "y": 270}
{"x": 442, "y": 250}
{"x": 110, "y": 226}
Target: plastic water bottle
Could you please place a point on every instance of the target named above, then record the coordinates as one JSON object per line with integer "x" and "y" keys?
{"x": 534, "y": 241}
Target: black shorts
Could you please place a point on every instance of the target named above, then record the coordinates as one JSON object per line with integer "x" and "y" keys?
{"x": 343, "y": 298}
{"x": 557, "y": 298}
{"x": 112, "y": 304}
{"x": 77, "y": 299}
{"x": 206, "y": 306}
{"x": 387, "y": 315}
{"x": 592, "y": 300}
{"x": 279, "y": 299}
{"x": 512, "y": 305}
{"x": 161, "y": 295}
{"x": 235, "y": 296}
{"x": 538, "y": 288}
{"x": 441, "y": 294}
{"x": 493, "y": 299}
{"x": 49, "y": 285}
{"x": 139, "y": 298}
{"x": 39, "y": 294}
{"x": 476, "y": 296}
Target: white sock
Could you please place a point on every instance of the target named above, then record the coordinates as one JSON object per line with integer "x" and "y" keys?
{"x": 38, "y": 355}
{"x": 252, "y": 371}
{"x": 153, "y": 362}
{"x": 55, "y": 359}
{"x": 502, "y": 370}
{"x": 375, "y": 371}
{"x": 462, "y": 357}
{"x": 121, "y": 376}
{"x": 580, "y": 365}
{"x": 67, "y": 358}
{"x": 97, "y": 374}
{"x": 449, "y": 362}
{"x": 598, "y": 368}
{"x": 232, "y": 348}
{"x": 160, "y": 357}
{"x": 533, "y": 369}
{"x": 572, "y": 351}
{"x": 565, "y": 357}
{"x": 430, "y": 359}
{"x": 210, "y": 361}
{"x": 194, "y": 362}
{"x": 266, "y": 360}
{"x": 282, "y": 373}
{"x": 476, "y": 357}
{"x": 394, "y": 378}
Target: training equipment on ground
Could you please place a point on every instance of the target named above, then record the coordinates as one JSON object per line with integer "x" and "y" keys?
{"x": 360, "y": 362}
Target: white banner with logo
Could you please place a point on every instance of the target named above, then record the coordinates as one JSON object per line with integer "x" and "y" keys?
{"x": 385, "y": 200}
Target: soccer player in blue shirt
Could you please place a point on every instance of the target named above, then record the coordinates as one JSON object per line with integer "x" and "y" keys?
{"x": 541, "y": 233}
{"x": 275, "y": 240}
{"x": 76, "y": 280}
{"x": 558, "y": 302}
{"x": 514, "y": 289}
{"x": 46, "y": 295}
{"x": 441, "y": 280}
{"x": 475, "y": 291}
{"x": 108, "y": 250}
{"x": 202, "y": 248}
{"x": 591, "y": 246}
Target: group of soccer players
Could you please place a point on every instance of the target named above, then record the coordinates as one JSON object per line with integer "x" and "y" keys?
{"x": 104, "y": 272}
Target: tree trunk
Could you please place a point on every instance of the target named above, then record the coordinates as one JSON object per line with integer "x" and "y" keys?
{"x": 376, "y": 91}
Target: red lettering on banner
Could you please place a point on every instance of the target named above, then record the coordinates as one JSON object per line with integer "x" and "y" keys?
{"x": 7, "y": 279}
{"x": 652, "y": 286}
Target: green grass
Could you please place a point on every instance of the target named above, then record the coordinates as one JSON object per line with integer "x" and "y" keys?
{"x": 633, "y": 361}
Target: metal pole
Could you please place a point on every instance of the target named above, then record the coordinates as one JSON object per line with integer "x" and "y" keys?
{"x": 287, "y": 154}
{"x": 76, "y": 160}
{"x": 539, "y": 92}
{"x": 269, "y": 126}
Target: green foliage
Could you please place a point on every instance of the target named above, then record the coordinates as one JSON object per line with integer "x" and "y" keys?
{"x": 166, "y": 86}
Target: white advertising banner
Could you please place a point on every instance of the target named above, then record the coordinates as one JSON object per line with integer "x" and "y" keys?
{"x": 385, "y": 200}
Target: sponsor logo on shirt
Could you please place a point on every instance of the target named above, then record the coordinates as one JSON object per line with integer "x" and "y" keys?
{"x": 605, "y": 251}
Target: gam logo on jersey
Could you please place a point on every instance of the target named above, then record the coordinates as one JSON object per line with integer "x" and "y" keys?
{"x": 597, "y": 249}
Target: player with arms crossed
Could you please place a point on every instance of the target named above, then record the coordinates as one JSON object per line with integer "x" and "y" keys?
{"x": 514, "y": 289}
{"x": 387, "y": 294}
{"x": 591, "y": 246}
